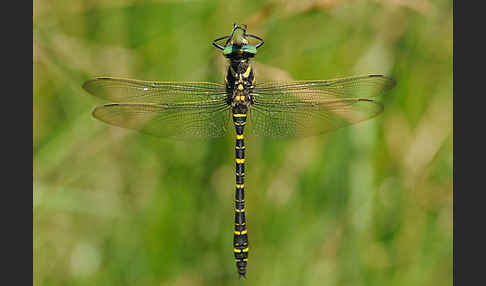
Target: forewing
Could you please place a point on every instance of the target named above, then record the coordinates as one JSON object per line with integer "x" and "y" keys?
{"x": 365, "y": 86}
{"x": 129, "y": 90}
{"x": 306, "y": 108}
{"x": 179, "y": 121}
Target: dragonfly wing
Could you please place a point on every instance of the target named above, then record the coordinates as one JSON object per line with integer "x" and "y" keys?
{"x": 181, "y": 110}
{"x": 179, "y": 121}
{"x": 306, "y": 108}
{"x": 310, "y": 119}
{"x": 365, "y": 86}
{"x": 129, "y": 90}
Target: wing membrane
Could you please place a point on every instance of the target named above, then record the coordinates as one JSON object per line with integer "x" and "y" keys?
{"x": 350, "y": 87}
{"x": 305, "y": 108}
{"x": 129, "y": 90}
{"x": 185, "y": 121}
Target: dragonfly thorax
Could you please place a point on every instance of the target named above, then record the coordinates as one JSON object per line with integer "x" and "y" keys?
{"x": 240, "y": 81}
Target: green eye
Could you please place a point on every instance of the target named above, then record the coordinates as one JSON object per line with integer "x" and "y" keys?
{"x": 232, "y": 49}
{"x": 249, "y": 49}
{"x": 228, "y": 50}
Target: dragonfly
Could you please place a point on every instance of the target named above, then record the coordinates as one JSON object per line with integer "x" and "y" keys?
{"x": 201, "y": 110}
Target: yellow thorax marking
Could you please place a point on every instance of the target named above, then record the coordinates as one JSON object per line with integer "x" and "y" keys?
{"x": 240, "y": 210}
{"x": 240, "y": 186}
{"x": 247, "y": 73}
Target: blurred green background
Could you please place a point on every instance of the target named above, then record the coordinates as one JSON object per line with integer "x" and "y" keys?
{"x": 370, "y": 204}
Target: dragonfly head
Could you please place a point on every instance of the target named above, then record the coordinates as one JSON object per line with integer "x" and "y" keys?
{"x": 237, "y": 44}
{"x": 238, "y": 36}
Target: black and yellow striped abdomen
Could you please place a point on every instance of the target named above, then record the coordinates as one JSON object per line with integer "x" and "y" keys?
{"x": 240, "y": 237}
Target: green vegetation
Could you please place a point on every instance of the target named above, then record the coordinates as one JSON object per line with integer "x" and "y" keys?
{"x": 370, "y": 204}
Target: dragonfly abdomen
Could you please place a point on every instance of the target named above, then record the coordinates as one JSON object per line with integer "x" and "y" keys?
{"x": 240, "y": 237}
